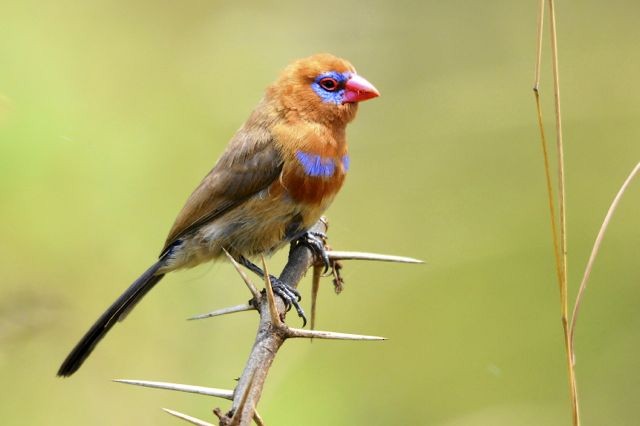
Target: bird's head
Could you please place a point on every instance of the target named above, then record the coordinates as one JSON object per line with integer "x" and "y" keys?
{"x": 321, "y": 88}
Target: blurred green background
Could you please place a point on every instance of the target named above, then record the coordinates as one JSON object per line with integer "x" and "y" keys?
{"x": 112, "y": 111}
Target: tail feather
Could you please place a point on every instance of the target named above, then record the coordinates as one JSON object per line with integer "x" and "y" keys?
{"x": 116, "y": 312}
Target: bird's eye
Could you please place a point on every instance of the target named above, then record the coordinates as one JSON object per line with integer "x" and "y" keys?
{"x": 329, "y": 84}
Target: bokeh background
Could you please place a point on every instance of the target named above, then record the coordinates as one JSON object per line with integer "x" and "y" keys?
{"x": 112, "y": 111}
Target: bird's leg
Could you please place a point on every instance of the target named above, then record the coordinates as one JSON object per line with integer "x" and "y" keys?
{"x": 289, "y": 294}
{"x": 316, "y": 241}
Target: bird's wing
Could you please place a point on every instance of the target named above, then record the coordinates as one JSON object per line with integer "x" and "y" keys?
{"x": 250, "y": 164}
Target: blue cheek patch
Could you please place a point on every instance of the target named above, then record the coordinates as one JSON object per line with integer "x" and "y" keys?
{"x": 316, "y": 166}
{"x": 328, "y": 97}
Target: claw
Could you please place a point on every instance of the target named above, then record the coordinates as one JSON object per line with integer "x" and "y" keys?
{"x": 316, "y": 243}
{"x": 290, "y": 295}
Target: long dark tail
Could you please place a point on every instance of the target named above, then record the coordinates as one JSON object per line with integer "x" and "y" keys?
{"x": 117, "y": 311}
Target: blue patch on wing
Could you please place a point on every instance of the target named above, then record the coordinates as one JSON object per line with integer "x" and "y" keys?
{"x": 315, "y": 165}
{"x": 346, "y": 162}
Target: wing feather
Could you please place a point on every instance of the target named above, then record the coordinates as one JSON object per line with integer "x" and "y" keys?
{"x": 251, "y": 162}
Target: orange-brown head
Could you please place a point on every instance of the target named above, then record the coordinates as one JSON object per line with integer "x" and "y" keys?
{"x": 321, "y": 88}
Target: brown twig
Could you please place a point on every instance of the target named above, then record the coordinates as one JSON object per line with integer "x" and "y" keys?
{"x": 269, "y": 337}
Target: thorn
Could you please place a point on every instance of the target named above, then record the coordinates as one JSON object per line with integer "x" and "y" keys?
{"x": 273, "y": 311}
{"x": 257, "y": 419}
{"x": 315, "y": 287}
{"x": 325, "y": 222}
{"x": 201, "y": 390}
{"x": 254, "y": 291}
{"x": 224, "y": 311}
{"x": 299, "y": 332}
{"x": 237, "y": 415}
{"x": 190, "y": 419}
{"x": 359, "y": 255}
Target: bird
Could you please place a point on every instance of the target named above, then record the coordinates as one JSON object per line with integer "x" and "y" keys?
{"x": 276, "y": 177}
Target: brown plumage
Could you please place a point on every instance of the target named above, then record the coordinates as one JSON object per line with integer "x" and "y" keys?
{"x": 278, "y": 174}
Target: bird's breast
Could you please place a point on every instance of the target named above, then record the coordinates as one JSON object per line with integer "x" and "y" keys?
{"x": 312, "y": 178}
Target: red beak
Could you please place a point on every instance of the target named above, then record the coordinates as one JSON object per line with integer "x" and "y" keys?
{"x": 358, "y": 89}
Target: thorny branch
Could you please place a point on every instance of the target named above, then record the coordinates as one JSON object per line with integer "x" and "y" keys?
{"x": 271, "y": 334}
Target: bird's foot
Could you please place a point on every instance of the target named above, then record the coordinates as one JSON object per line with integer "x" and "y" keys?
{"x": 289, "y": 295}
{"x": 317, "y": 243}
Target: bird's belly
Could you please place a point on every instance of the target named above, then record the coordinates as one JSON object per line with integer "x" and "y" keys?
{"x": 261, "y": 225}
